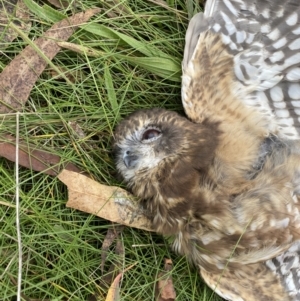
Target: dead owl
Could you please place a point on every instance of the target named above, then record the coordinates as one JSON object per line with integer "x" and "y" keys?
{"x": 225, "y": 181}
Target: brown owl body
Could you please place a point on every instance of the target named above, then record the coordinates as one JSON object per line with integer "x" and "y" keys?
{"x": 225, "y": 183}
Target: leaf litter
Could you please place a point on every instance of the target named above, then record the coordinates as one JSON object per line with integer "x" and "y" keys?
{"x": 18, "y": 78}
{"x": 16, "y": 82}
{"x": 108, "y": 202}
{"x": 12, "y": 11}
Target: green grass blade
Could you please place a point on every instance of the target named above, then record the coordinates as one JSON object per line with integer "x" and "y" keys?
{"x": 111, "y": 94}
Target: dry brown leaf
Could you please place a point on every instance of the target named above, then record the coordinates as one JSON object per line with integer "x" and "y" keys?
{"x": 79, "y": 49}
{"x": 109, "y": 202}
{"x": 60, "y": 3}
{"x": 111, "y": 236}
{"x": 33, "y": 158}
{"x": 160, "y": 2}
{"x": 114, "y": 290}
{"x": 18, "y": 78}
{"x": 164, "y": 287}
{"x": 16, "y": 82}
{"x": 13, "y": 11}
{"x": 109, "y": 274}
{"x": 117, "y": 8}
{"x": 77, "y": 129}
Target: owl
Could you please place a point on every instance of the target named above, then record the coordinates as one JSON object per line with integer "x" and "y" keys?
{"x": 224, "y": 180}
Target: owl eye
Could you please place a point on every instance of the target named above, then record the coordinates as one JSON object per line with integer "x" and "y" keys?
{"x": 151, "y": 134}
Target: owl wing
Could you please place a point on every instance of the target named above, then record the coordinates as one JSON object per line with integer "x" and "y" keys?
{"x": 263, "y": 39}
{"x": 276, "y": 279}
{"x": 260, "y": 43}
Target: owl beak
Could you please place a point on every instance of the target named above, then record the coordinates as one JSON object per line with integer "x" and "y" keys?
{"x": 130, "y": 160}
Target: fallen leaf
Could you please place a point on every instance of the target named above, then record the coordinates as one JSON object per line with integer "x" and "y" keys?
{"x": 33, "y": 158}
{"x": 111, "y": 236}
{"x": 18, "y": 78}
{"x": 164, "y": 287}
{"x": 109, "y": 202}
{"x": 60, "y": 3}
{"x": 80, "y": 49}
{"x": 114, "y": 290}
{"x": 116, "y": 8}
{"x": 160, "y": 2}
{"x": 13, "y": 11}
{"x": 77, "y": 129}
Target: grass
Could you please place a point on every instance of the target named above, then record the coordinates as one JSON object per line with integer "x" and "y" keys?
{"x": 139, "y": 46}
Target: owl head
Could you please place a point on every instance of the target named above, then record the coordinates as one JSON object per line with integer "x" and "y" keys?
{"x": 158, "y": 151}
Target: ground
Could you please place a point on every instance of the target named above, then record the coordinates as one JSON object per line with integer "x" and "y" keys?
{"x": 72, "y": 111}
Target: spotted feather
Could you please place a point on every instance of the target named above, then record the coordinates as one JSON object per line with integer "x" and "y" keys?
{"x": 263, "y": 38}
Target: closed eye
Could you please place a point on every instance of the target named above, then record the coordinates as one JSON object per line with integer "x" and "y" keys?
{"x": 150, "y": 135}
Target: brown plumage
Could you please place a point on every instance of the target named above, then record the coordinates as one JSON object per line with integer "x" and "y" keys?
{"x": 225, "y": 183}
